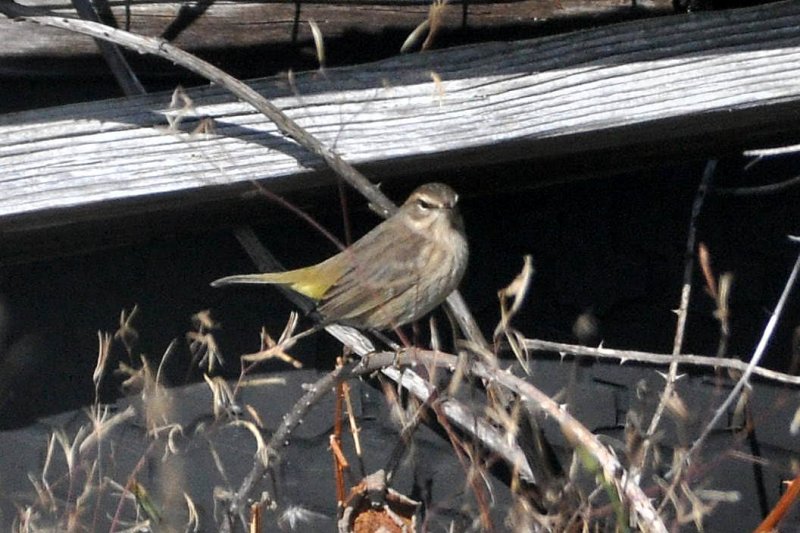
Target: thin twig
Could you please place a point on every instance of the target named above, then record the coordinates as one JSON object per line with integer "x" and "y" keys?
{"x": 467, "y": 462}
{"x": 760, "y": 190}
{"x": 657, "y": 358}
{"x": 281, "y": 435}
{"x": 406, "y": 434}
{"x": 686, "y": 291}
{"x": 757, "y": 354}
{"x": 789, "y": 498}
{"x": 122, "y": 71}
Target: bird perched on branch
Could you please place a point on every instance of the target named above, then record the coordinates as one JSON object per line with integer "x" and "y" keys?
{"x": 393, "y": 275}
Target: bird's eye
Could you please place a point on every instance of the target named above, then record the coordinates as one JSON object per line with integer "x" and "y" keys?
{"x": 424, "y": 204}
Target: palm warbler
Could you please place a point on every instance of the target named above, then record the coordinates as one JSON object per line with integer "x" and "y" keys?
{"x": 393, "y": 275}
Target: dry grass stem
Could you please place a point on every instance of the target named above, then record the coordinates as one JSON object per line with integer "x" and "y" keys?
{"x": 102, "y": 424}
{"x": 704, "y": 258}
{"x": 103, "y": 351}
{"x": 438, "y": 88}
{"x": 415, "y": 36}
{"x": 720, "y": 291}
{"x": 223, "y": 398}
{"x": 271, "y": 349}
{"x": 429, "y": 28}
{"x": 202, "y": 343}
{"x": 436, "y": 18}
{"x": 351, "y": 417}
{"x": 516, "y": 292}
{"x": 319, "y": 43}
{"x": 126, "y": 332}
{"x": 261, "y": 449}
{"x": 257, "y": 420}
{"x": 193, "y": 521}
{"x": 723, "y": 312}
{"x": 180, "y": 106}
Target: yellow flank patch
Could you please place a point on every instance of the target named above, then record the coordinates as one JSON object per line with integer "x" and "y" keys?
{"x": 313, "y": 281}
{"x": 311, "y": 289}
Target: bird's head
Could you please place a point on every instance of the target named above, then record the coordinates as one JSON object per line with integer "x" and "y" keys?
{"x": 432, "y": 204}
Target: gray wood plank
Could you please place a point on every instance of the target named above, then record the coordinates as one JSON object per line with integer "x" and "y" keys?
{"x": 730, "y": 77}
{"x": 225, "y": 24}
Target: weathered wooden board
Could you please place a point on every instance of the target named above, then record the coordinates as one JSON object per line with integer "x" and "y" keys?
{"x": 718, "y": 80}
{"x": 205, "y": 26}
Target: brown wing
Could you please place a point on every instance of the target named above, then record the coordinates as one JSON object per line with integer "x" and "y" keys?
{"x": 379, "y": 269}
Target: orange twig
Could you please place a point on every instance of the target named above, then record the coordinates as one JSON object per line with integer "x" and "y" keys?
{"x": 339, "y": 461}
{"x": 781, "y": 508}
{"x": 704, "y": 258}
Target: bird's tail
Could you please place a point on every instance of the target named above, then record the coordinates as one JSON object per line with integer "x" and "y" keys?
{"x": 268, "y": 278}
{"x": 306, "y": 281}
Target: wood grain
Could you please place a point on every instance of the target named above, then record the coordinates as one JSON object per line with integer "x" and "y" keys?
{"x": 223, "y": 25}
{"x": 686, "y": 84}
